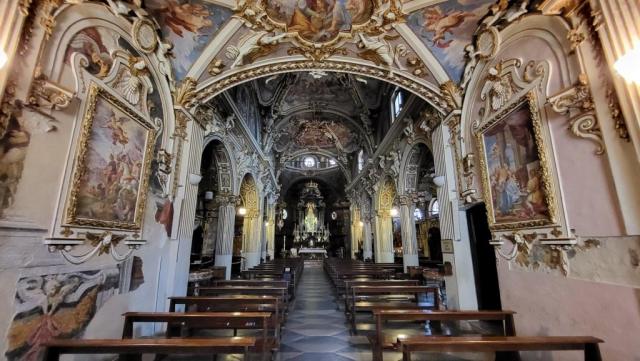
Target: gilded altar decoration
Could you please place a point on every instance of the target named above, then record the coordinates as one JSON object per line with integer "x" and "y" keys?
{"x": 112, "y": 165}
{"x": 515, "y": 173}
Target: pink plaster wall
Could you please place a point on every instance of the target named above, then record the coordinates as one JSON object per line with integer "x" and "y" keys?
{"x": 549, "y": 304}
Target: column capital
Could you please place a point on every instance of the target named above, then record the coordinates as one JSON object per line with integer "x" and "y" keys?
{"x": 407, "y": 199}
{"x": 226, "y": 199}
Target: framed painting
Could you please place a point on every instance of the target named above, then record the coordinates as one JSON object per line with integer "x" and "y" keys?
{"x": 515, "y": 175}
{"x": 113, "y": 161}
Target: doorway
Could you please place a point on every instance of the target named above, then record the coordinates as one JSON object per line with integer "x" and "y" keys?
{"x": 484, "y": 259}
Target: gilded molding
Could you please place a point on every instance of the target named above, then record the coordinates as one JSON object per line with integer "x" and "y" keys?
{"x": 185, "y": 93}
{"x": 306, "y": 65}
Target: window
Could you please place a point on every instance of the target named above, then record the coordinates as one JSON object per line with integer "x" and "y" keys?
{"x": 417, "y": 214}
{"x": 398, "y": 102}
{"x": 309, "y": 162}
{"x": 434, "y": 208}
{"x": 332, "y": 162}
{"x": 360, "y": 160}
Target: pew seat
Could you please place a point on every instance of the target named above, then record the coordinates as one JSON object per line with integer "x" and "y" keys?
{"x": 133, "y": 349}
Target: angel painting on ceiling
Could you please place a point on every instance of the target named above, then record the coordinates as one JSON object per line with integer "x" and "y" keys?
{"x": 319, "y": 20}
{"x": 447, "y": 28}
{"x": 188, "y": 25}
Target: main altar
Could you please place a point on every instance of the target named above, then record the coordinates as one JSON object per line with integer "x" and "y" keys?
{"x": 310, "y": 234}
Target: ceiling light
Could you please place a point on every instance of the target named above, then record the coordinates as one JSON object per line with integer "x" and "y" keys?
{"x": 627, "y": 65}
{"x": 3, "y": 58}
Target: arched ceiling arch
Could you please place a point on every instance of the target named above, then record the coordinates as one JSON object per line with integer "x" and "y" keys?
{"x": 420, "y": 44}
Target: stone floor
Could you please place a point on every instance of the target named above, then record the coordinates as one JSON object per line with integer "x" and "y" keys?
{"x": 317, "y": 331}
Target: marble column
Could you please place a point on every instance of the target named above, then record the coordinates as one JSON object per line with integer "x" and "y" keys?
{"x": 408, "y": 232}
{"x": 250, "y": 250}
{"x": 210, "y": 236}
{"x": 225, "y": 232}
{"x": 384, "y": 237}
{"x": 271, "y": 230}
{"x": 366, "y": 238}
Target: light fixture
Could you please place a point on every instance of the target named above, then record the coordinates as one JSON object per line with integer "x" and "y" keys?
{"x": 194, "y": 179}
{"x": 3, "y": 59}
{"x": 361, "y": 223}
{"x": 266, "y": 224}
{"x": 627, "y": 65}
{"x": 393, "y": 212}
{"x": 242, "y": 211}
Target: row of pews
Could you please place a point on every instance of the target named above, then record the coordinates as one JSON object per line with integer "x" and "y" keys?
{"x": 242, "y": 316}
{"x": 387, "y": 298}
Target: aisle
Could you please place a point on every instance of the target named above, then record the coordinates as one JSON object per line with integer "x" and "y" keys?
{"x": 315, "y": 330}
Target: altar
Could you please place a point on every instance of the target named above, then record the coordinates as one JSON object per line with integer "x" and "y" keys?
{"x": 312, "y": 252}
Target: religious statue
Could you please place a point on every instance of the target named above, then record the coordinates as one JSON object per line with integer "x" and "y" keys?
{"x": 310, "y": 219}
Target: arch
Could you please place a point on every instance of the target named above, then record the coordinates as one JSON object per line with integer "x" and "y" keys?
{"x": 225, "y": 163}
{"x": 410, "y": 164}
{"x": 212, "y": 87}
{"x": 385, "y": 197}
{"x": 249, "y": 195}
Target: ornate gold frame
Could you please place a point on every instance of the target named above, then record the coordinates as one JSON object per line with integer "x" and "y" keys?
{"x": 547, "y": 183}
{"x": 80, "y": 167}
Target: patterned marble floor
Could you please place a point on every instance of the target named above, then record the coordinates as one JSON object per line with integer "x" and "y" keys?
{"x": 317, "y": 331}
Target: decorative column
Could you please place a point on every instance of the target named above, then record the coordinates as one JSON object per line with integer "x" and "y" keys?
{"x": 366, "y": 238}
{"x": 251, "y": 238}
{"x": 225, "y": 232}
{"x": 456, "y": 248}
{"x": 384, "y": 237}
{"x": 271, "y": 229}
{"x": 408, "y": 231}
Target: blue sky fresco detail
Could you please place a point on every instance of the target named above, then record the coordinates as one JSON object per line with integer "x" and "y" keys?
{"x": 446, "y": 28}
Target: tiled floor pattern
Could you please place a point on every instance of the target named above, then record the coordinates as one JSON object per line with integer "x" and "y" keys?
{"x": 317, "y": 331}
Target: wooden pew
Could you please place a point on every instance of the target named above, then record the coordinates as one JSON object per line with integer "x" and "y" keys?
{"x": 135, "y": 348}
{"x": 249, "y": 303}
{"x": 178, "y": 322}
{"x": 388, "y": 297}
{"x": 587, "y": 344}
{"x": 380, "y": 342}
{"x": 282, "y": 292}
{"x": 348, "y": 284}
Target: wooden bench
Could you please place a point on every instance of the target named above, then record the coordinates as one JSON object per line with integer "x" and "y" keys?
{"x": 231, "y": 304}
{"x": 348, "y": 284}
{"x": 386, "y": 297}
{"x": 501, "y": 343}
{"x": 281, "y": 292}
{"x": 133, "y": 349}
{"x": 380, "y": 342}
{"x": 178, "y": 323}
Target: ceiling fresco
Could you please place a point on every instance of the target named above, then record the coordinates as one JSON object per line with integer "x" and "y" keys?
{"x": 447, "y": 28}
{"x": 302, "y": 133}
{"x": 338, "y": 90}
{"x": 188, "y": 25}
{"x": 319, "y": 20}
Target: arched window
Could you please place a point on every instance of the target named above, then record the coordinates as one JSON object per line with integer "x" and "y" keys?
{"x": 396, "y": 106}
{"x": 434, "y": 208}
{"x": 417, "y": 214}
{"x": 309, "y": 162}
{"x": 360, "y": 160}
{"x": 332, "y": 162}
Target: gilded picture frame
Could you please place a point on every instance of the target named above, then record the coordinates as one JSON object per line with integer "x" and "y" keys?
{"x": 516, "y": 178}
{"x": 112, "y": 165}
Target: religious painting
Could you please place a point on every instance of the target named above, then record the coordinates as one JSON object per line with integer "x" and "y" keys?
{"x": 318, "y": 133}
{"x": 188, "y": 25}
{"x": 319, "y": 21}
{"x": 447, "y": 28}
{"x": 112, "y": 165}
{"x": 56, "y": 306}
{"x": 515, "y": 173}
